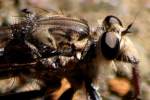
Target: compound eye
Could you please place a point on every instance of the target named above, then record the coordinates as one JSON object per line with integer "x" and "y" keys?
{"x": 110, "y": 20}
{"x": 110, "y": 45}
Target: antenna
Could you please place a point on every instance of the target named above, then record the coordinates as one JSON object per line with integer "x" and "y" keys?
{"x": 130, "y": 25}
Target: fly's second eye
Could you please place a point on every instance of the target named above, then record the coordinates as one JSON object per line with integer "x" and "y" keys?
{"x": 110, "y": 45}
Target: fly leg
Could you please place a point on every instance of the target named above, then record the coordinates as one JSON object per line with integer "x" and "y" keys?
{"x": 68, "y": 94}
{"x": 93, "y": 94}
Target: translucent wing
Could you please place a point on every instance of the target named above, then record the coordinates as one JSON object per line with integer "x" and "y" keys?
{"x": 59, "y": 30}
{"x": 65, "y": 23}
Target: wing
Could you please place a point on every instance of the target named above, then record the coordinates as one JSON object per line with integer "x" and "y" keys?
{"x": 66, "y": 24}
{"x": 59, "y": 31}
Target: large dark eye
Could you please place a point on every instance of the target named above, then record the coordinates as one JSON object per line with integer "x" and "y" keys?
{"x": 110, "y": 45}
{"x": 109, "y": 20}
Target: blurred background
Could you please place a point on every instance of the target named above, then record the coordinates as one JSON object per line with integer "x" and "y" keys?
{"x": 93, "y": 10}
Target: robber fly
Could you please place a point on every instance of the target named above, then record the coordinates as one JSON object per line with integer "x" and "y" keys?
{"x": 94, "y": 56}
{"x": 112, "y": 45}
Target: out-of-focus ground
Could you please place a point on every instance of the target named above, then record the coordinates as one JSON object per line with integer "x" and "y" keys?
{"x": 137, "y": 11}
